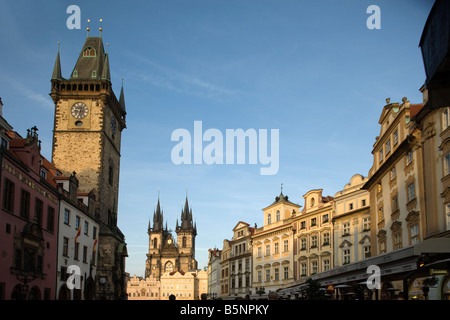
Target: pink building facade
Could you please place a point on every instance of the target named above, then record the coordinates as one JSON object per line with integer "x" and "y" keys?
{"x": 28, "y": 221}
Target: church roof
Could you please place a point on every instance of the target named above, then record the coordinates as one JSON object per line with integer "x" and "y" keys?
{"x": 92, "y": 58}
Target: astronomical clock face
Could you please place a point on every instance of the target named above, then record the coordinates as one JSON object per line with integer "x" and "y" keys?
{"x": 79, "y": 110}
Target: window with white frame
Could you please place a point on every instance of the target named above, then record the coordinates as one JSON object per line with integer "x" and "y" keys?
{"x": 411, "y": 192}
{"x": 259, "y": 252}
{"x": 303, "y": 269}
{"x": 277, "y": 274}
{"x": 409, "y": 158}
{"x": 268, "y": 250}
{"x": 267, "y": 275}
{"x": 346, "y": 256}
{"x": 395, "y": 137}
{"x": 346, "y": 228}
{"x": 326, "y": 238}
{"x": 276, "y": 248}
{"x": 414, "y": 234}
{"x": 303, "y": 244}
{"x": 286, "y": 272}
{"x": 285, "y": 245}
{"x": 326, "y": 264}
{"x": 259, "y": 276}
{"x": 278, "y": 215}
{"x": 314, "y": 267}
{"x": 366, "y": 223}
{"x": 314, "y": 241}
{"x": 388, "y": 146}
{"x": 381, "y": 155}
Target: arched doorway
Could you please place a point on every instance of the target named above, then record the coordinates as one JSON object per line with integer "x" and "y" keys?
{"x": 16, "y": 294}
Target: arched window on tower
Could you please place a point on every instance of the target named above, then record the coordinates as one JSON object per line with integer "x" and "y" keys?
{"x": 278, "y": 215}
{"x": 155, "y": 243}
{"x": 269, "y": 218}
{"x": 184, "y": 242}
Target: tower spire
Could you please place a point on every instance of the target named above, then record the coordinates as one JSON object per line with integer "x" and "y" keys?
{"x": 57, "y": 68}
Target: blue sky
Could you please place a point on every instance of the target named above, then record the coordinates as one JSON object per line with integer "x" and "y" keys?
{"x": 311, "y": 69}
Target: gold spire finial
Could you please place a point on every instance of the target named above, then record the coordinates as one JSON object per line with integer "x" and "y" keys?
{"x": 88, "y": 29}
{"x": 101, "y": 20}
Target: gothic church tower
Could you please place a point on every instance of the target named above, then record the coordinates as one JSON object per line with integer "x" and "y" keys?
{"x": 166, "y": 254}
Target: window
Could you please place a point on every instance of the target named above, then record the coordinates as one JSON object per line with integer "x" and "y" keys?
{"x": 445, "y": 119}
{"x": 50, "y": 219}
{"x": 395, "y": 203}
{"x": 325, "y": 218}
{"x": 314, "y": 242}
{"x": 259, "y": 279}
{"x": 326, "y": 238}
{"x": 447, "y": 164}
{"x": 409, "y": 158}
{"x": 86, "y": 227}
{"x": 276, "y": 248}
{"x": 303, "y": 225}
{"x": 303, "y": 269}
{"x": 184, "y": 242}
{"x": 326, "y": 265}
{"x": 363, "y": 202}
{"x": 395, "y": 137}
{"x": 259, "y": 252}
{"x": 77, "y": 222}
{"x": 303, "y": 244}
{"x": 89, "y": 52}
{"x": 65, "y": 247}
{"x": 25, "y": 204}
{"x": 267, "y": 275}
{"x": 346, "y": 228}
{"x": 393, "y": 173}
{"x": 380, "y": 214}
{"x": 268, "y": 250}
{"x": 312, "y": 202}
{"x": 366, "y": 223}
{"x": 277, "y": 274}
{"x": 110, "y": 175}
{"x": 38, "y": 211}
{"x": 388, "y": 147}
{"x": 414, "y": 234}
{"x": 94, "y": 74}
{"x": 278, "y": 215}
{"x": 313, "y": 267}
{"x": 8, "y": 196}
{"x": 286, "y": 272}
{"x": 397, "y": 240}
{"x": 66, "y": 216}
{"x": 367, "y": 252}
{"x": 285, "y": 245}
{"x": 350, "y": 206}
{"x": 411, "y": 192}
{"x": 346, "y": 256}
{"x": 381, "y": 155}
{"x": 269, "y": 218}
{"x": 313, "y": 222}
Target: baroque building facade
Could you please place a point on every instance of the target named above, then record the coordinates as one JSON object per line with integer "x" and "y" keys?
{"x": 88, "y": 123}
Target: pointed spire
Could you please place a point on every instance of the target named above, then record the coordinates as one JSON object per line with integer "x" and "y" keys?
{"x": 106, "y": 75}
{"x": 57, "y": 68}
{"x": 122, "y": 100}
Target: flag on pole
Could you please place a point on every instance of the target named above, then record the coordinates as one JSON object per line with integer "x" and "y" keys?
{"x": 78, "y": 233}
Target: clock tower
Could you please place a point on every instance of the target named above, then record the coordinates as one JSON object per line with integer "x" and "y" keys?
{"x": 88, "y": 123}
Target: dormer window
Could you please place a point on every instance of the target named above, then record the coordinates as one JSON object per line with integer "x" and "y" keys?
{"x": 89, "y": 52}
{"x": 94, "y": 74}
{"x": 75, "y": 73}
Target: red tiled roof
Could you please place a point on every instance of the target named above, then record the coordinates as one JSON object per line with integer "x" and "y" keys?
{"x": 414, "y": 109}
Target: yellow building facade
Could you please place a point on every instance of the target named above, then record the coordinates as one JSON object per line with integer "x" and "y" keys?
{"x": 313, "y": 249}
{"x": 273, "y": 247}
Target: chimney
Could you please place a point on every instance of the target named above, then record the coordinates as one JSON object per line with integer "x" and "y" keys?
{"x": 73, "y": 187}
